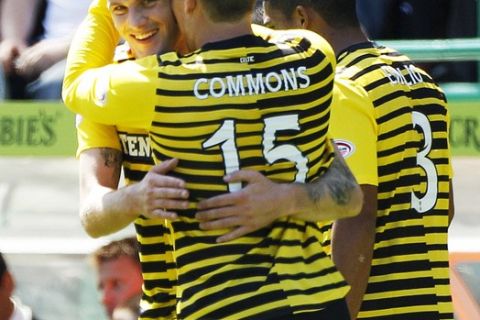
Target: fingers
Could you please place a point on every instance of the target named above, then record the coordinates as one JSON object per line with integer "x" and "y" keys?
{"x": 236, "y": 233}
{"x": 174, "y": 203}
{"x": 161, "y": 179}
{"x": 165, "y": 166}
{"x": 163, "y": 208}
{"x": 213, "y": 214}
{"x": 161, "y": 213}
{"x": 164, "y": 191}
{"x": 247, "y": 176}
{"x": 225, "y": 223}
{"x": 165, "y": 199}
{"x": 223, "y": 200}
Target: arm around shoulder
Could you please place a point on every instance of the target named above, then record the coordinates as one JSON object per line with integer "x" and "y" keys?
{"x": 334, "y": 195}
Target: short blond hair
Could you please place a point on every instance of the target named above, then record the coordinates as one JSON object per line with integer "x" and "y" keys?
{"x": 127, "y": 247}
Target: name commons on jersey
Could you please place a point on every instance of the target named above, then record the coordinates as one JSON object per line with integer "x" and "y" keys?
{"x": 252, "y": 83}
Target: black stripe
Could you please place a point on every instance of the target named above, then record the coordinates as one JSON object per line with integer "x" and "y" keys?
{"x": 133, "y": 175}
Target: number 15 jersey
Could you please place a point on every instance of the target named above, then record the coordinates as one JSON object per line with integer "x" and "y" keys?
{"x": 243, "y": 103}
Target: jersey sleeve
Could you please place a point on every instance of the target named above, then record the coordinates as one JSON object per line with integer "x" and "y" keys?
{"x": 94, "y": 135}
{"x": 354, "y": 130}
{"x": 104, "y": 92}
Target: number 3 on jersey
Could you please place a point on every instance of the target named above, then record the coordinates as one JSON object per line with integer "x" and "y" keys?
{"x": 225, "y": 137}
{"x": 428, "y": 200}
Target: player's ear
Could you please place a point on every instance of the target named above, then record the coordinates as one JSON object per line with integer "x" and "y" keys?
{"x": 190, "y": 5}
{"x": 301, "y": 17}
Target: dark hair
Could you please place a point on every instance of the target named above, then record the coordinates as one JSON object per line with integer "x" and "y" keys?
{"x": 337, "y": 13}
{"x": 228, "y": 10}
{"x": 3, "y": 266}
{"x": 119, "y": 248}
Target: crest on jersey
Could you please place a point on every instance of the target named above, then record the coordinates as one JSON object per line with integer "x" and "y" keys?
{"x": 101, "y": 88}
{"x": 345, "y": 147}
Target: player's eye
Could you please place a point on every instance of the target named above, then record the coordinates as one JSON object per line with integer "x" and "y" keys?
{"x": 118, "y": 10}
{"x": 149, "y": 3}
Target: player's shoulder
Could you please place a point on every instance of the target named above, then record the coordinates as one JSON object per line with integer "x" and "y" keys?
{"x": 313, "y": 39}
{"x": 347, "y": 89}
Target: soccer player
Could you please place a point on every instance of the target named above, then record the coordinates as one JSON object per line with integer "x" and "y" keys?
{"x": 214, "y": 110}
{"x": 409, "y": 273}
{"x": 258, "y": 203}
{"x": 104, "y": 208}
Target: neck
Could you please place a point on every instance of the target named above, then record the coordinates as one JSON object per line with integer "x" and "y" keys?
{"x": 215, "y": 32}
{"x": 342, "y": 39}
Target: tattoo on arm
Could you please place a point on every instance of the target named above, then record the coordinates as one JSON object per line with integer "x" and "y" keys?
{"x": 342, "y": 182}
{"x": 112, "y": 158}
{"x": 337, "y": 182}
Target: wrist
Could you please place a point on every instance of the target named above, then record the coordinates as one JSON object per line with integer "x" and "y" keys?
{"x": 131, "y": 202}
{"x": 293, "y": 193}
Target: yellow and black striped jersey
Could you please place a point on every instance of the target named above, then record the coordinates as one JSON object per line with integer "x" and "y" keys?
{"x": 409, "y": 277}
{"x": 153, "y": 235}
{"x": 243, "y": 103}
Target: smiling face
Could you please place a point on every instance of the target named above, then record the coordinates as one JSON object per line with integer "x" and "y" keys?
{"x": 147, "y": 25}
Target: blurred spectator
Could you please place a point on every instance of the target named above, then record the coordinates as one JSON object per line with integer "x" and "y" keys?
{"x": 424, "y": 19}
{"x": 119, "y": 274}
{"x": 10, "y": 308}
{"x": 35, "y": 37}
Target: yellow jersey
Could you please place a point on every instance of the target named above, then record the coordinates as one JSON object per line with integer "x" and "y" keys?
{"x": 409, "y": 277}
{"x": 243, "y": 103}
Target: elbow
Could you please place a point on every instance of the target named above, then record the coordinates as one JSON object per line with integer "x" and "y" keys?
{"x": 345, "y": 200}
{"x": 89, "y": 225}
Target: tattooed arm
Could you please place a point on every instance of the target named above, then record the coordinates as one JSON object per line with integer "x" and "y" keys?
{"x": 99, "y": 174}
{"x": 104, "y": 209}
{"x": 334, "y": 195}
